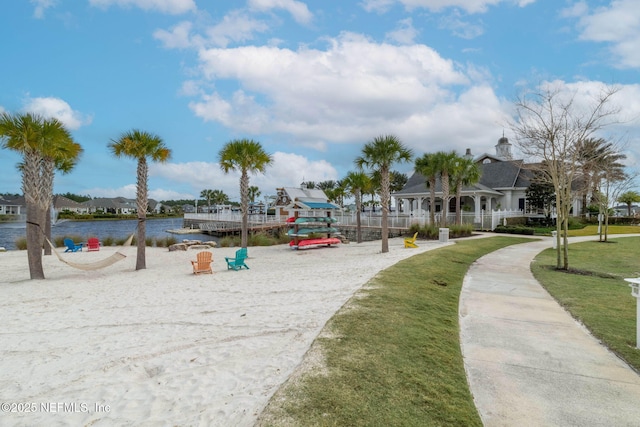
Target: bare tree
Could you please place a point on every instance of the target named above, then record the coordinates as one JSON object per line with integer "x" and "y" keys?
{"x": 550, "y": 125}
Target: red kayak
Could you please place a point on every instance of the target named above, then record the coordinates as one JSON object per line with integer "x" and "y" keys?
{"x": 315, "y": 242}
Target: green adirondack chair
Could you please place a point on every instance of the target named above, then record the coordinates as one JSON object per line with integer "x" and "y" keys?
{"x": 238, "y": 262}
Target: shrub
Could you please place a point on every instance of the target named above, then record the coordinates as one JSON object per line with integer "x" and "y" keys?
{"x": 260, "y": 239}
{"x": 230, "y": 241}
{"x": 432, "y": 232}
{"x": 108, "y": 241}
{"x": 165, "y": 242}
{"x": 21, "y": 243}
{"x": 514, "y": 230}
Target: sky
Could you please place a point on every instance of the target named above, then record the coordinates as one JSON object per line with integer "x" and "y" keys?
{"x": 311, "y": 81}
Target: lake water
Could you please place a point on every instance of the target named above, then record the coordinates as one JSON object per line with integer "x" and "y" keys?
{"x": 118, "y": 229}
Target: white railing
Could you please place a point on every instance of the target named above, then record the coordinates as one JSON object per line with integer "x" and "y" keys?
{"x": 232, "y": 217}
{"x": 483, "y": 221}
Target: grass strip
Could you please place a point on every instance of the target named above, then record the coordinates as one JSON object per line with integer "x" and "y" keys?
{"x": 391, "y": 356}
{"x": 612, "y": 230}
{"x": 594, "y": 291}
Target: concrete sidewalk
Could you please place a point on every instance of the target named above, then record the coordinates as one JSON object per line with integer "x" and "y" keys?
{"x": 528, "y": 362}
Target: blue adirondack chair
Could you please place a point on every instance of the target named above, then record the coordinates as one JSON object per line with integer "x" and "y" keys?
{"x": 238, "y": 262}
{"x": 72, "y": 247}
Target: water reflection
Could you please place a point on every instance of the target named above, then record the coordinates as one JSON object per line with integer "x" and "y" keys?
{"x": 118, "y": 229}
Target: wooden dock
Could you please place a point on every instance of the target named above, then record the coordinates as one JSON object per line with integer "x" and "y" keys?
{"x": 228, "y": 228}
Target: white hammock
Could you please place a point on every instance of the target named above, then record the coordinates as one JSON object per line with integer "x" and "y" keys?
{"x": 96, "y": 265}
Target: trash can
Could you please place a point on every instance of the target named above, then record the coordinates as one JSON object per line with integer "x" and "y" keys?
{"x": 444, "y": 235}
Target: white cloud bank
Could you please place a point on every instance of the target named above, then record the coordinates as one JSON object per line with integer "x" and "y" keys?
{"x": 57, "y": 108}
{"x": 171, "y": 7}
{"x": 617, "y": 25}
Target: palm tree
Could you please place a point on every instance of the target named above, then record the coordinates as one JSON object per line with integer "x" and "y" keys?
{"x": 445, "y": 163}
{"x": 46, "y": 146}
{"x": 465, "y": 172}
{"x": 219, "y": 198}
{"x": 629, "y": 198}
{"x": 244, "y": 155}
{"x": 356, "y": 183}
{"x": 141, "y": 145}
{"x": 427, "y": 167}
{"x": 594, "y": 156}
{"x": 254, "y": 193}
{"x": 208, "y": 196}
{"x": 379, "y": 155}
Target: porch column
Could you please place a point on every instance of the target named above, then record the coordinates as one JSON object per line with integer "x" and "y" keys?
{"x": 476, "y": 204}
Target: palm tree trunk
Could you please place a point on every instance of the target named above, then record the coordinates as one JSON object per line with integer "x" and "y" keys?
{"x": 47, "y": 230}
{"x": 244, "y": 208}
{"x": 445, "y": 198}
{"x": 432, "y": 201}
{"x": 34, "y": 241}
{"x": 358, "y": 219}
{"x": 458, "y": 213}
{"x": 384, "y": 174}
{"x": 142, "y": 202}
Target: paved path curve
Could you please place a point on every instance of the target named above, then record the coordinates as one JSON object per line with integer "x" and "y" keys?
{"x": 528, "y": 362}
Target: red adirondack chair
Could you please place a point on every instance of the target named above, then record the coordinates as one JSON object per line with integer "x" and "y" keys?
{"x": 93, "y": 244}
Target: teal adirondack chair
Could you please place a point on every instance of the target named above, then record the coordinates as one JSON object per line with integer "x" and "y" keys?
{"x": 238, "y": 262}
{"x": 72, "y": 247}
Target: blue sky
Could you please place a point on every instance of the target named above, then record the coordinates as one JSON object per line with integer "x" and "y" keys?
{"x": 312, "y": 81}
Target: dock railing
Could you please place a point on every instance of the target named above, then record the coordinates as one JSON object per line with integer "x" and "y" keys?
{"x": 485, "y": 220}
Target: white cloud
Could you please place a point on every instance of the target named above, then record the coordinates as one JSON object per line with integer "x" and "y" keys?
{"x": 341, "y": 94}
{"x": 469, "y": 6}
{"x": 346, "y": 94}
{"x": 405, "y": 34}
{"x": 161, "y": 194}
{"x": 128, "y": 191}
{"x": 460, "y": 27}
{"x": 617, "y": 24}
{"x": 297, "y": 9}
{"x": 59, "y": 109}
{"x": 171, "y": 7}
{"x": 287, "y": 170}
{"x": 41, "y": 6}
{"x": 235, "y": 27}
{"x": 576, "y": 10}
{"x": 177, "y": 38}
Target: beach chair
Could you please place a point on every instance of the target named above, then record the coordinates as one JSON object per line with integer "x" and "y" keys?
{"x": 93, "y": 244}
{"x": 202, "y": 264}
{"x": 72, "y": 247}
{"x": 238, "y": 262}
{"x": 410, "y": 242}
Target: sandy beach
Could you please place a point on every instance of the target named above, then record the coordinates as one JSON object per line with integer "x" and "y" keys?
{"x": 162, "y": 346}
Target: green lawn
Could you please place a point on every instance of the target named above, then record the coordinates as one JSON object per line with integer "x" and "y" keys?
{"x": 596, "y": 293}
{"x": 592, "y": 230}
{"x": 391, "y": 356}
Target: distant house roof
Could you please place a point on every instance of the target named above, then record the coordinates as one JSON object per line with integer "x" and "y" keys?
{"x": 293, "y": 198}
{"x": 493, "y": 176}
{"x": 10, "y": 200}
{"x": 61, "y": 202}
